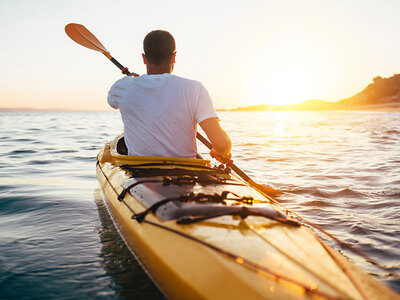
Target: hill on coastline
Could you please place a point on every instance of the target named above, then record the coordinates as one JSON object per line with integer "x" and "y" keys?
{"x": 380, "y": 94}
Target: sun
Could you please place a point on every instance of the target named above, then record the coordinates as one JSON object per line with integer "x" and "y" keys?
{"x": 283, "y": 70}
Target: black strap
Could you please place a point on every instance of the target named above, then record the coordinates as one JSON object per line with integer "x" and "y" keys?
{"x": 199, "y": 198}
{"x": 242, "y": 211}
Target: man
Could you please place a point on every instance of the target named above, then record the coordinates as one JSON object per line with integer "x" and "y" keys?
{"x": 160, "y": 111}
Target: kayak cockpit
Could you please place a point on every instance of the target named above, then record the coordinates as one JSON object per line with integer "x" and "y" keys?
{"x": 184, "y": 189}
{"x": 120, "y": 146}
{"x": 116, "y": 153}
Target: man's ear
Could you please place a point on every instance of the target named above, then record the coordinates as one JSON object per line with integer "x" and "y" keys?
{"x": 144, "y": 59}
{"x": 173, "y": 57}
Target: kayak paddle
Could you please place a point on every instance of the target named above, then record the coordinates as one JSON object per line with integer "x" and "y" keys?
{"x": 263, "y": 188}
{"x": 81, "y": 35}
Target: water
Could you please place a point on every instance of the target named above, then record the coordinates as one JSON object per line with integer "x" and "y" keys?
{"x": 58, "y": 242}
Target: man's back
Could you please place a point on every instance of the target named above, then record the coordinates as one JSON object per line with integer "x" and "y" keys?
{"x": 160, "y": 113}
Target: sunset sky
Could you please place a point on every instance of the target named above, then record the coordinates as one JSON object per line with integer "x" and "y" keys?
{"x": 244, "y": 52}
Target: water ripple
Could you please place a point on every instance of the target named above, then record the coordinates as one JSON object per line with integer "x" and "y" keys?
{"x": 340, "y": 169}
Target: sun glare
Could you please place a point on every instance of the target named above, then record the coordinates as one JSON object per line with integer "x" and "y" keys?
{"x": 284, "y": 70}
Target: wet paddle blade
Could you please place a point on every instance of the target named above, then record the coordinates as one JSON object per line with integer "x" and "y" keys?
{"x": 265, "y": 189}
{"x": 270, "y": 191}
{"x": 81, "y": 35}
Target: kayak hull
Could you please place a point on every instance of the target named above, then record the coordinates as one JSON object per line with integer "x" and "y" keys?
{"x": 227, "y": 257}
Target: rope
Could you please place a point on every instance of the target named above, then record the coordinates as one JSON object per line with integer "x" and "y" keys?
{"x": 179, "y": 180}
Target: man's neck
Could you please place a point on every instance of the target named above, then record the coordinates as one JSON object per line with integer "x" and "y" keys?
{"x": 161, "y": 69}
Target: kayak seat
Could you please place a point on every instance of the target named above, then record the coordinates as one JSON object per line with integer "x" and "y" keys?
{"x": 121, "y": 147}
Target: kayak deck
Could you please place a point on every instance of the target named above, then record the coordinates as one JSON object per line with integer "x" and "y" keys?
{"x": 214, "y": 237}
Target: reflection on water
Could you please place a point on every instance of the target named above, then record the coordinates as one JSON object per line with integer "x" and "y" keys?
{"x": 340, "y": 168}
{"x": 130, "y": 281}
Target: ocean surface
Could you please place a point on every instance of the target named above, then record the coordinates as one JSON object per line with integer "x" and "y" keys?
{"x": 340, "y": 169}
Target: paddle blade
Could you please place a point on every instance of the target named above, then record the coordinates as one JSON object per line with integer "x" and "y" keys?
{"x": 269, "y": 191}
{"x": 265, "y": 189}
{"x": 81, "y": 35}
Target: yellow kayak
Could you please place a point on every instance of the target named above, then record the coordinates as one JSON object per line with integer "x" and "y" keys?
{"x": 202, "y": 233}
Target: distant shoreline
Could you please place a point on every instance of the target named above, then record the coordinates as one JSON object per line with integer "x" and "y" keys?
{"x": 383, "y": 94}
{"x": 378, "y": 107}
{"x": 387, "y": 107}
{"x": 16, "y": 109}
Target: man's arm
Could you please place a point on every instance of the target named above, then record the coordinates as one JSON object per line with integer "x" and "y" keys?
{"x": 219, "y": 139}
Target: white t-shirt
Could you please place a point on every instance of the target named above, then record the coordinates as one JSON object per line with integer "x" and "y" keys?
{"x": 160, "y": 113}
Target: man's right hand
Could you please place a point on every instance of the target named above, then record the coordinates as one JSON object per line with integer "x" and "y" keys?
{"x": 220, "y": 141}
{"x": 225, "y": 159}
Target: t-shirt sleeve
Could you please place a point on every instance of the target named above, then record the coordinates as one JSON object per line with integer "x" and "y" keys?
{"x": 205, "y": 108}
{"x": 114, "y": 95}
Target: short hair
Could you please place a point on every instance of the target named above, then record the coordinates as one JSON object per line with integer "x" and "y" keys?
{"x": 158, "y": 46}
